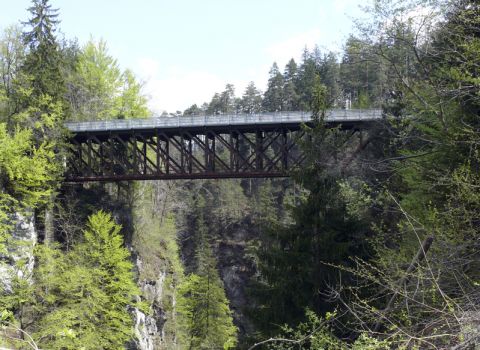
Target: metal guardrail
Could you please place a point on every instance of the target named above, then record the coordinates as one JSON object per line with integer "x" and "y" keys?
{"x": 335, "y": 115}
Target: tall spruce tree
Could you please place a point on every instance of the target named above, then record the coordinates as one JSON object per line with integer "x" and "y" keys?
{"x": 251, "y": 101}
{"x": 224, "y": 102}
{"x": 306, "y": 78}
{"x": 293, "y": 257}
{"x": 273, "y": 97}
{"x": 42, "y": 65}
{"x": 193, "y": 110}
{"x": 290, "y": 95}
{"x": 80, "y": 299}
{"x": 202, "y": 304}
{"x": 358, "y": 71}
{"x": 227, "y": 99}
{"x": 329, "y": 73}
{"x": 215, "y": 105}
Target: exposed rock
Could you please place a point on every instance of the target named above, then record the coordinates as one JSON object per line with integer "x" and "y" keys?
{"x": 24, "y": 238}
{"x": 145, "y": 331}
{"x": 236, "y": 271}
{"x": 150, "y": 328}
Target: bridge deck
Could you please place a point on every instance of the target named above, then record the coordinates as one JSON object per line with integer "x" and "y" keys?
{"x": 279, "y": 118}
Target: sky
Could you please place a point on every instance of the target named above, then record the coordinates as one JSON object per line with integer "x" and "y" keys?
{"x": 186, "y": 50}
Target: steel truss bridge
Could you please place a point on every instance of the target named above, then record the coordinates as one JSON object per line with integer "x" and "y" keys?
{"x": 196, "y": 147}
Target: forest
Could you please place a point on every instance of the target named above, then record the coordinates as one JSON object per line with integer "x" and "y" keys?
{"x": 373, "y": 244}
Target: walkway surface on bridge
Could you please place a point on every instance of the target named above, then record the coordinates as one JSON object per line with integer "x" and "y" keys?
{"x": 334, "y": 115}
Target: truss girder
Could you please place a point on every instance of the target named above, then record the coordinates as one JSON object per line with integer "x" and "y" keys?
{"x": 209, "y": 153}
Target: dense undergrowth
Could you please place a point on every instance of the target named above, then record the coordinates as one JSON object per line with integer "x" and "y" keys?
{"x": 373, "y": 244}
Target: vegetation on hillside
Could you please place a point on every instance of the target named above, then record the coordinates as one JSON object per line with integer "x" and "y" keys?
{"x": 373, "y": 244}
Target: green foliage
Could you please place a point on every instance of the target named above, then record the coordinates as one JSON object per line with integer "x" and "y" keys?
{"x": 193, "y": 110}
{"x": 99, "y": 89}
{"x": 432, "y": 188}
{"x": 80, "y": 298}
{"x": 12, "y": 55}
{"x": 363, "y": 101}
{"x": 251, "y": 101}
{"x": 30, "y": 134}
{"x": 155, "y": 243}
{"x": 223, "y": 102}
{"x": 357, "y": 197}
{"x": 265, "y": 208}
{"x": 315, "y": 333}
{"x": 306, "y": 80}
{"x": 132, "y": 103}
{"x": 230, "y": 203}
{"x": 295, "y": 258}
{"x": 362, "y": 74}
{"x": 43, "y": 61}
{"x": 26, "y": 170}
{"x": 28, "y": 175}
{"x": 206, "y": 318}
{"x": 273, "y": 98}
{"x": 33, "y": 105}
{"x": 290, "y": 94}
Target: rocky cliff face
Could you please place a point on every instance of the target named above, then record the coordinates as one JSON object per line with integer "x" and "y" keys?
{"x": 159, "y": 270}
{"x": 20, "y": 248}
{"x": 159, "y": 225}
{"x": 236, "y": 270}
{"x": 150, "y": 324}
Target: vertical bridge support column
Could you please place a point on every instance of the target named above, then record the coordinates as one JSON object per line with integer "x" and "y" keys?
{"x": 284, "y": 150}
{"x": 259, "y": 150}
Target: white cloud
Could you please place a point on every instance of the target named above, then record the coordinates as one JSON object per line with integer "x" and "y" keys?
{"x": 147, "y": 67}
{"x": 178, "y": 89}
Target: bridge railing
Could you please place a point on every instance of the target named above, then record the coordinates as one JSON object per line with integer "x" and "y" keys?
{"x": 222, "y": 119}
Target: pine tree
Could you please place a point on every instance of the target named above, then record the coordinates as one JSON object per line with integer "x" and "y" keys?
{"x": 80, "y": 298}
{"x": 329, "y": 74}
{"x": 273, "y": 97}
{"x": 39, "y": 88}
{"x": 215, "y": 105}
{"x": 290, "y": 95}
{"x": 224, "y": 102}
{"x": 292, "y": 255}
{"x": 202, "y": 304}
{"x": 193, "y": 110}
{"x": 42, "y": 65}
{"x": 317, "y": 57}
{"x": 227, "y": 99}
{"x": 204, "y": 310}
{"x": 307, "y": 74}
{"x": 251, "y": 100}
{"x": 362, "y": 74}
